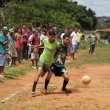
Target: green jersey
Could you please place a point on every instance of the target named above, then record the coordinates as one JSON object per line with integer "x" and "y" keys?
{"x": 63, "y": 52}
{"x": 92, "y": 39}
{"x": 49, "y": 51}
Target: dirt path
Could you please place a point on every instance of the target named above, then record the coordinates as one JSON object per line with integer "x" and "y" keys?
{"x": 96, "y": 96}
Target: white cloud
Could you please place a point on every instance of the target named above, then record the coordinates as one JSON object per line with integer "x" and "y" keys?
{"x": 100, "y": 7}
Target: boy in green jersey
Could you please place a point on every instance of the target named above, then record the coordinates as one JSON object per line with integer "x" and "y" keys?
{"x": 58, "y": 68}
{"x": 50, "y": 48}
{"x": 92, "y": 39}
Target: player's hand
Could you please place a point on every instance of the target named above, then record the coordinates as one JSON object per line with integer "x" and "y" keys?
{"x": 59, "y": 61}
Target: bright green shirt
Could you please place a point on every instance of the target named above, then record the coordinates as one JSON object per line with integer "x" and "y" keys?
{"x": 49, "y": 51}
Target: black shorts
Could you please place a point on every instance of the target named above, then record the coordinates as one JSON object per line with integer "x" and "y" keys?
{"x": 58, "y": 71}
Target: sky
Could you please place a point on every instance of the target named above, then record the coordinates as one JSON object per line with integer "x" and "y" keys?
{"x": 101, "y": 7}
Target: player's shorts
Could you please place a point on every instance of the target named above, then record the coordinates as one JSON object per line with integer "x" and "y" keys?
{"x": 43, "y": 65}
{"x": 2, "y": 59}
{"x": 34, "y": 56}
{"x": 92, "y": 47}
{"x": 58, "y": 71}
{"x": 13, "y": 53}
{"x": 73, "y": 48}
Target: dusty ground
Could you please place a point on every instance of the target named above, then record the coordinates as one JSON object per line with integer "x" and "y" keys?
{"x": 15, "y": 93}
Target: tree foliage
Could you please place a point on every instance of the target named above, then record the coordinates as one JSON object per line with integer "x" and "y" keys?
{"x": 62, "y": 13}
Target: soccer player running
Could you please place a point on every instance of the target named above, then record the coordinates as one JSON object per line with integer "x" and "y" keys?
{"x": 50, "y": 48}
{"x": 58, "y": 67}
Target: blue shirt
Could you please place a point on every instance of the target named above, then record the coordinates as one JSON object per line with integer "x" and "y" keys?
{"x": 2, "y": 46}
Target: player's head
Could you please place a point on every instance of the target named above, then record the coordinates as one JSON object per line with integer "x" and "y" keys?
{"x": 52, "y": 36}
{"x": 66, "y": 39}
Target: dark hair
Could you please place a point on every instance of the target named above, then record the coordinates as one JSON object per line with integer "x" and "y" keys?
{"x": 51, "y": 32}
{"x": 33, "y": 23}
{"x": 66, "y": 35}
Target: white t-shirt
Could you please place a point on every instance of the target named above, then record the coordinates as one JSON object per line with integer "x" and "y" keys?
{"x": 42, "y": 37}
{"x": 61, "y": 36}
{"x": 74, "y": 37}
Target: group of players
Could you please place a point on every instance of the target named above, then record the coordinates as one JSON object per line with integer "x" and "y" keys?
{"x": 52, "y": 60}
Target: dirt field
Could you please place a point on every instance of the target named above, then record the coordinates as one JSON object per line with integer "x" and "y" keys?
{"x": 15, "y": 93}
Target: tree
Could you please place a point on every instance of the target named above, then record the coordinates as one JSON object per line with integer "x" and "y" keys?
{"x": 62, "y": 13}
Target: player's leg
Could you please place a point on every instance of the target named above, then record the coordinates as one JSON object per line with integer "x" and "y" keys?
{"x": 65, "y": 82}
{"x": 40, "y": 71}
{"x": 36, "y": 60}
{"x": 47, "y": 80}
{"x": 66, "y": 79}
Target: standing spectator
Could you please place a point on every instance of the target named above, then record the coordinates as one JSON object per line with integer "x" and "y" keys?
{"x": 34, "y": 40}
{"x": 92, "y": 39}
{"x": 14, "y": 28}
{"x": 42, "y": 37}
{"x": 54, "y": 28}
{"x": 19, "y": 44}
{"x": 3, "y": 43}
{"x": 80, "y": 35}
{"x": 11, "y": 46}
{"x": 70, "y": 31}
{"x": 74, "y": 40}
{"x": 25, "y": 35}
{"x": 33, "y": 28}
{"x": 65, "y": 32}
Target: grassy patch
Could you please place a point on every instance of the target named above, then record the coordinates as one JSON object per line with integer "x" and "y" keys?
{"x": 101, "y": 56}
{"x": 15, "y": 71}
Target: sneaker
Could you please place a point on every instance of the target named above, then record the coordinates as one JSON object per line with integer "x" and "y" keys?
{"x": 33, "y": 91}
{"x": 44, "y": 91}
{"x": 23, "y": 59}
{"x": 33, "y": 67}
{"x": 66, "y": 90}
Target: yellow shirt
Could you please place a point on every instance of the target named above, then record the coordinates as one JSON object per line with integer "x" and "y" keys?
{"x": 79, "y": 36}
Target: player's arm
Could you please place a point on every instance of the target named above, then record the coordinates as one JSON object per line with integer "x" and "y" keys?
{"x": 59, "y": 56}
{"x": 37, "y": 46}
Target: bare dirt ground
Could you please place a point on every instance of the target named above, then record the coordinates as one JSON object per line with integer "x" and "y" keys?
{"x": 15, "y": 93}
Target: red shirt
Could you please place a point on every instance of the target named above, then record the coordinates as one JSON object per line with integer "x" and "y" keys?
{"x": 35, "y": 40}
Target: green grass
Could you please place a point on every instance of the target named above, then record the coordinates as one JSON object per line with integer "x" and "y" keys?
{"x": 101, "y": 56}
{"x": 14, "y": 71}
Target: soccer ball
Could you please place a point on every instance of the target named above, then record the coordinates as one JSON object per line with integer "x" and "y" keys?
{"x": 86, "y": 79}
